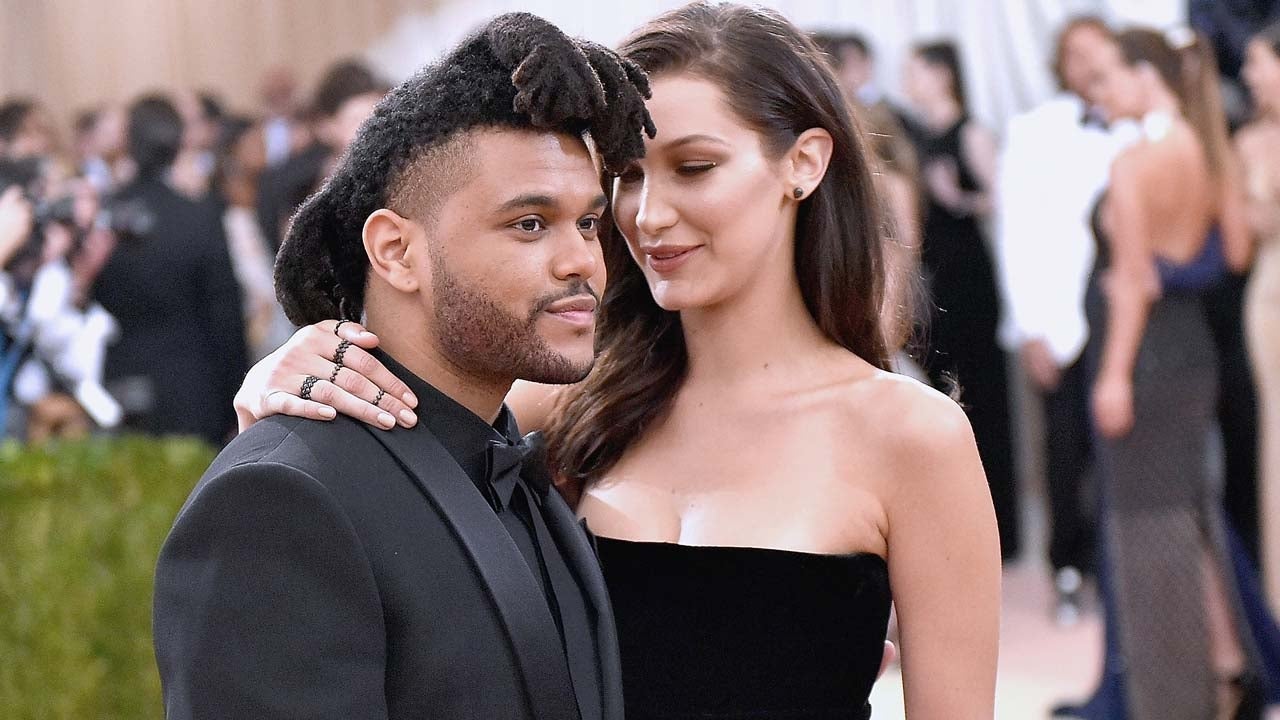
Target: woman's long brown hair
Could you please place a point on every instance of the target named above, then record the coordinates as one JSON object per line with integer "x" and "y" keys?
{"x": 1191, "y": 72}
{"x": 779, "y": 83}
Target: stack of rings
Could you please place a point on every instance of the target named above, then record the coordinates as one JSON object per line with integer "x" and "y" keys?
{"x": 337, "y": 360}
{"x": 307, "y": 384}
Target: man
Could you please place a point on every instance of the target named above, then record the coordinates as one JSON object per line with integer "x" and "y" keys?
{"x": 328, "y": 570}
{"x": 1055, "y": 162}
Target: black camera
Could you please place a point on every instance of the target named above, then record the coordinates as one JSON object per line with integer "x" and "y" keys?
{"x": 125, "y": 218}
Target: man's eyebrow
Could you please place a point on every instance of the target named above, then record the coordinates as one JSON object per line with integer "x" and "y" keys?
{"x": 533, "y": 201}
{"x": 527, "y": 201}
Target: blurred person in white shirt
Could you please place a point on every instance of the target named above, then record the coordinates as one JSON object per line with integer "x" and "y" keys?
{"x": 1055, "y": 161}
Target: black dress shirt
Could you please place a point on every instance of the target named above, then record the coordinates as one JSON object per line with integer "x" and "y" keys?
{"x": 470, "y": 440}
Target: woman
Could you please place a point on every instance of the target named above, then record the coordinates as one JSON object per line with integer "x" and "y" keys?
{"x": 1155, "y": 384}
{"x": 1259, "y": 148}
{"x": 757, "y": 479}
{"x": 957, "y": 162}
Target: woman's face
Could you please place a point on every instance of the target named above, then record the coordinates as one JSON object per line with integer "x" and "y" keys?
{"x": 1118, "y": 88}
{"x": 1262, "y": 75}
{"x": 924, "y": 83}
{"x": 707, "y": 212}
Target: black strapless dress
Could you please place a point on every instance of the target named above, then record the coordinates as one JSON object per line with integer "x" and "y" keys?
{"x": 721, "y": 633}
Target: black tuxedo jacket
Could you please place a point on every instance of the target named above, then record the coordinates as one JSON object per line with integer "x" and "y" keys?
{"x": 329, "y": 570}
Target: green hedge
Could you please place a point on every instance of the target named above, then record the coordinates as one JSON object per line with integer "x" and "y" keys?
{"x": 80, "y": 528}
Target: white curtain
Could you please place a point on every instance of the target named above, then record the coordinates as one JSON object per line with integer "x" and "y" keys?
{"x": 1006, "y": 44}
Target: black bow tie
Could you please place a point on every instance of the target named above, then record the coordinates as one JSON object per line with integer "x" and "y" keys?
{"x": 508, "y": 462}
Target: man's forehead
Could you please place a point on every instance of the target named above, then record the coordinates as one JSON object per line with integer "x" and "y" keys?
{"x": 522, "y": 161}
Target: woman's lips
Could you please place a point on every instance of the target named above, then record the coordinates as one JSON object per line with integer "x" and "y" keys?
{"x": 668, "y": 260}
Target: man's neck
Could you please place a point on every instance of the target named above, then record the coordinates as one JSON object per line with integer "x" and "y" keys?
{"x": 481, "y": 396}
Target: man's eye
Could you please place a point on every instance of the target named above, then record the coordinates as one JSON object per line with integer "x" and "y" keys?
{"x": 530, "y": 225}
{"x": 588, "y": 225}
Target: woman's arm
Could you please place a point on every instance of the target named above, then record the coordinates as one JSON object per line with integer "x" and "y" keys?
{"x": 273, "y": 384}
{"x": 1257, "y": 152}
{"x": 1233, "y": 213}
{"x": 980, "y": 150}
{"x": 1132, "y": 284}
{"x": 944, "y": 564}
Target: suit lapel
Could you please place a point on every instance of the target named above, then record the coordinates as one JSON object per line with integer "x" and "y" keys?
{"x": 516, "y": 594}
{"x": 574, "y": 542}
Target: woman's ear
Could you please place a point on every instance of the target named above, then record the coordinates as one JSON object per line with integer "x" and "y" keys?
{"x": 387, "y": 237}
{"x": 807, "y": 162}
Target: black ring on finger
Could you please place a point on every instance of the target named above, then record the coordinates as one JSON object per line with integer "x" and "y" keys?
{"x": 333, "y": 376}
{"x": 307, "y": 384}
{"x": 335, "y": 327}
{"x": 378, "y": 399}
{"x": 341, "y": 352}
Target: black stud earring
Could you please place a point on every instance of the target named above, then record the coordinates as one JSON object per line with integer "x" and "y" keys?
{"x": 798, "y": 193}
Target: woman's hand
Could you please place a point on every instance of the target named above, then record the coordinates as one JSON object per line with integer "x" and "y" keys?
{"x": 1113, "y": 405}
{"x": 273, "y": 385}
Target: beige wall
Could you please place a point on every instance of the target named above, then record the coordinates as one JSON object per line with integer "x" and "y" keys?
{"x": 76, "y": 53}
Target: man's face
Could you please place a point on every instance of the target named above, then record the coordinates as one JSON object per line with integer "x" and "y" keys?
{"x": 512, "y": 268}
{"x": 1086, "y": 51}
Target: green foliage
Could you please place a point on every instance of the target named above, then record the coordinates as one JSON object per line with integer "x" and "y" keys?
{"x": 81, "y": 525}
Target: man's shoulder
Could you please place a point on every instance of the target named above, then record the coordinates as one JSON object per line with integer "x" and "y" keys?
{"x": 318, "y": 449}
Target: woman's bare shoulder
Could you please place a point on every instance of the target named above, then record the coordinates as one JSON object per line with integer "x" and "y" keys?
{"x": 908, "y": 418}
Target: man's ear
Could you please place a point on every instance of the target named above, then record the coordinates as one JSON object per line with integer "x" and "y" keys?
{"x": 387, "y": 243}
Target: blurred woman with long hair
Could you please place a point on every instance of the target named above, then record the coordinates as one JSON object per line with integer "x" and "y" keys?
{"x": 957, "y": 157}
{"x": 1186, "y": 650}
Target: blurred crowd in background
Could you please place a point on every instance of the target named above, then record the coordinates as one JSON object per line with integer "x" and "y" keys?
{"x": 137, "y": 254}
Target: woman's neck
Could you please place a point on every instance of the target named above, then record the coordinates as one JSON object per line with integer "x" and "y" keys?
{"x": 765, "y": 332}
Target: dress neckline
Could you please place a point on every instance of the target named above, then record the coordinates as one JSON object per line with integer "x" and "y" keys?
{"x": 743, "y": 549}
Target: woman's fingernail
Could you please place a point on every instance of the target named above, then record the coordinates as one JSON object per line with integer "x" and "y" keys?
{"x": 386, "y": 420}
{"x": 328, "y": 412}
{"x": 408, "y": 417}
{"x": 409, "y": 399}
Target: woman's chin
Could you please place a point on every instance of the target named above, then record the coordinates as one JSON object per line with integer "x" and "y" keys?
{"x": 675, "y": 299}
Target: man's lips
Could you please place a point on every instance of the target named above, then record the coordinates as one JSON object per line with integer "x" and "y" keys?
{"x": 580, "y": 310}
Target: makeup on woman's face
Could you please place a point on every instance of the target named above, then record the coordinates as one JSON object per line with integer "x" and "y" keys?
{"x": 703, "y": 213}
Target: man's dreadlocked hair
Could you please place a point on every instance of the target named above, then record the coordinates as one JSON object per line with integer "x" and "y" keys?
{"x": 520, "y": 72}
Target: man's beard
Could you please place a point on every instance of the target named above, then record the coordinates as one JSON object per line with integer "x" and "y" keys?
{"x": 482, "y": 338}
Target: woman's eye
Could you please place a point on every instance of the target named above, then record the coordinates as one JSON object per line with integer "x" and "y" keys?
{"x": 589, "y": 225}
{"x": 530, "y": 225}
{"x": 695, "y": 168}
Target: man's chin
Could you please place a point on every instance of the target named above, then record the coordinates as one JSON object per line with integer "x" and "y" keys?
{"x": 566, "y": 370}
